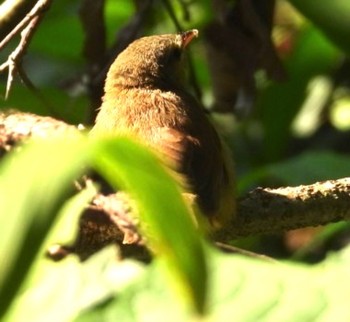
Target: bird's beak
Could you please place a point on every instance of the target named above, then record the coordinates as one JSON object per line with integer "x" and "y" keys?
{"x": 187, "y": 37}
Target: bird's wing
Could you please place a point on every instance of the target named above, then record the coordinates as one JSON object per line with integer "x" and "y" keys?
{"x": 199, "y": 162}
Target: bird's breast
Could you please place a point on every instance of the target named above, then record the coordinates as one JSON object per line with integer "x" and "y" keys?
{"x": 139, "y": 109}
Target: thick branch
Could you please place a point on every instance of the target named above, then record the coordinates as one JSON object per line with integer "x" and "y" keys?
{"x": 274, "y": 210}
{"x": 110, "y": 218}
{"x": 16, "y": 127}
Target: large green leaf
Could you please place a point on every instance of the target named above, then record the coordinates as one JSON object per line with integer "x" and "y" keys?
{"x": 33, "y": 184}
{"x": 242, "y": 289}
{"x": 332, "y": 17}
{"x": 62, "y": 290}
{"x": 31, "y": 187}
{"x": 170, "y": 228}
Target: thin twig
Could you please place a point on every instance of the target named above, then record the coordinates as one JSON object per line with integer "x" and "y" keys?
{"x": 236, "y": 250}
{"x": 39, "y": 7}
{"x": 14, "y": 61}
{"x": 15, "y": 57}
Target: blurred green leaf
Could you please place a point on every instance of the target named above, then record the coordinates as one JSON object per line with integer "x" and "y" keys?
{"x": 31, "y": 188}
{"x": 332, "y": 17}
{"x": 32, "y": 204}
{"x": 66, "y": 225}
{"x": 71, "y": 109}
{"x": 279, "y": 103}
{"x": 149, "y": 299}
{"x": 60, "y": 35}
{"x": 161, "y": 206}
{"x": 34, "y": 183}
{"x": 117, "y": 13}
{"x": 242, "y": 289}
{"x": 305, "y": 168}
{"x": 310, "y": 167}
{"x": 62, "y": 290}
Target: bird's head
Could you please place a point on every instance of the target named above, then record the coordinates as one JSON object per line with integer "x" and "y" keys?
{"x": 150, "y": 62}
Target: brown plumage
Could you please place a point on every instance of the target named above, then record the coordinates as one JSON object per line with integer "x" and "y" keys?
{"x": 145, "y": 97}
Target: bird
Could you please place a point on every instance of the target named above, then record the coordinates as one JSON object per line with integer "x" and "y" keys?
{"x": 146, "y": 97}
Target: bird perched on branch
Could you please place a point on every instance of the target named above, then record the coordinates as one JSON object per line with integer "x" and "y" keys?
{"x": 145, "y": 97}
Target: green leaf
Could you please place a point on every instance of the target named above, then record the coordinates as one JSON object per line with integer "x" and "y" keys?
{"x": 306, "y": 168}
{"x": 279, "y": 103}
{"x": 62, "y": 290}
{"x": 242, "y": 289}
{"x": 32, "y": 186}
{"x": 117, "y": 13}
{"x": 251, "y": 290}
{"x": 310, "y": 167}
{"x": 149, "y": 298}
{"x": 60, "y": 34}
{"x": 170, "y": 226}
{"x": 332, "y": 17}
{"x": 71, "y": 109}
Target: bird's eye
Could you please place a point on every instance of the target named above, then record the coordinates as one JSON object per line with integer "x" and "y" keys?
{"x": 176, "y": 53}
{"x": 171, "y": 58}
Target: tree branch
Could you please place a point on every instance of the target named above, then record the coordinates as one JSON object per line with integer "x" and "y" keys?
{"x": 111, "y": 219}
{"x": 16, "y": 127}
{"x": 37, "y": 10}
{"x": 266, "y": 210}
{"x": 14, "y": 62}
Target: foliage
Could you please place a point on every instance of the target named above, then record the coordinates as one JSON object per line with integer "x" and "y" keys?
{"x": 103, "y": 288}
{"x": 32, "y": 209}
{"x": 188, "y": 279}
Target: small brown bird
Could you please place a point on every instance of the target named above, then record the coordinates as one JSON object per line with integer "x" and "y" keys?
{"x": 145, "y": 97}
